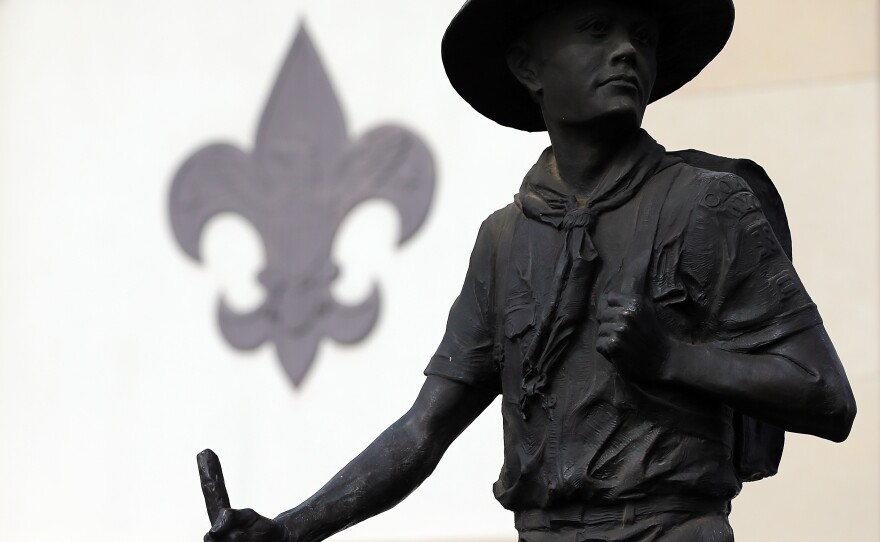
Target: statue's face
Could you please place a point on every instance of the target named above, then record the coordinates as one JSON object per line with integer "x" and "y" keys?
{"x": 593, "y": 61}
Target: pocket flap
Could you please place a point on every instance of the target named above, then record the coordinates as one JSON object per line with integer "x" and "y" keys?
{"x": 519, "y": 314}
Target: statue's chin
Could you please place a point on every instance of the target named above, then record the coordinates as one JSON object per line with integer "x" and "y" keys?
{"x": 617, "y": 123}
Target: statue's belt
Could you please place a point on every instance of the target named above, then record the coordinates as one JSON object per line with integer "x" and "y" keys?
{"x": 625, "y": 512}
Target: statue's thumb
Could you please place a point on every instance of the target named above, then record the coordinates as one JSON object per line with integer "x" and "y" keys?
{"x": 213, "y": 485}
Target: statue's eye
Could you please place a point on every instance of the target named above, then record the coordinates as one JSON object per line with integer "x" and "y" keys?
{"x": 596, "y": 26}
{"x": 645, "y": 35}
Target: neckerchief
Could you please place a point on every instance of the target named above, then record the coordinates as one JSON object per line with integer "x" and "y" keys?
{"x": 545, "y": 197}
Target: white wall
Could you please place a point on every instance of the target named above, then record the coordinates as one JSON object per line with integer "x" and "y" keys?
{"x": 113, "y": 373}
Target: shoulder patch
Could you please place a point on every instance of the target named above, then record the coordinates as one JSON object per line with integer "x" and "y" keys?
{"x": 729, "y": 195}
{"x": 741, "y": 204}
{"x": 719, "y": 187}
{"x": 762, "y": 241}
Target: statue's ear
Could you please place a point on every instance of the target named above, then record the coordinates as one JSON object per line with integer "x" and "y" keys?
{"x": 522, "y": 66}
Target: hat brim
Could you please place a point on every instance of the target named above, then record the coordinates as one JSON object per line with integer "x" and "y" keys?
{"x": 475, "y": 43}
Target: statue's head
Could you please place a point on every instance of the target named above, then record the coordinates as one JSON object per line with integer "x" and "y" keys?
{"x": 520, "y": 61}
{"x": 589, "y": 62}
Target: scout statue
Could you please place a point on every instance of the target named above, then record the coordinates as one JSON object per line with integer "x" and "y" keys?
{"x": 636, "y": 309}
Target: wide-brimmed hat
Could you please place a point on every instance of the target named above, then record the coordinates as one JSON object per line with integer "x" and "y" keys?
{"x": 474, "y": 50}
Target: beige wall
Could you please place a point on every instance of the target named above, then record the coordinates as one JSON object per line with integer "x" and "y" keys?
{"x": 784, "y": 42}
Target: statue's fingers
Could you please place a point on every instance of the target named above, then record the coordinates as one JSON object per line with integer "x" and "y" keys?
{"x": 246, "y": 517}
{"x": 224, "y": 523}
{"x": 609, "y": 314}
{"x": 608, "y": 345}
{"x": 213, "y": 484}
{"x": 629, "y": 302}
{"x": 611, "y": 329}
{"x": 232, "y": 525}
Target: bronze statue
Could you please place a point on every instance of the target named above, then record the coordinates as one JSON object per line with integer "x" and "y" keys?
{"x": 637, "y": 310}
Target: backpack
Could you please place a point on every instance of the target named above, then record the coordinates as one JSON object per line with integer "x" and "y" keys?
{"x": 757, "y": 445}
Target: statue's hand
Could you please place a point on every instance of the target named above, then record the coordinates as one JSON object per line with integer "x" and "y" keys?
{"x": 246, "y": 526}
{"x": 630, "y": 336}
{"x": 229, "y": 524}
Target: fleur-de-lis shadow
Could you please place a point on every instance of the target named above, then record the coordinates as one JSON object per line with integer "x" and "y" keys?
{"x": 301, "y": 179}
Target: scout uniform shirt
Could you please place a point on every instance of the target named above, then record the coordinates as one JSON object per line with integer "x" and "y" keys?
{"x": 693, "y": 242}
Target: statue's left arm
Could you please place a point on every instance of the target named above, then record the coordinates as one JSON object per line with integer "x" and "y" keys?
{"x": 757, "y": 342}
{"x": 798, "y": 384}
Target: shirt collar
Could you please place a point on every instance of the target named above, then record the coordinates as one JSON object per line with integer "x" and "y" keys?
{"x": 545, "y": 197}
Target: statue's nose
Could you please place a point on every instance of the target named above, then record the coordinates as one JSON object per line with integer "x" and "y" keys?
{"x": 624, "y": 50}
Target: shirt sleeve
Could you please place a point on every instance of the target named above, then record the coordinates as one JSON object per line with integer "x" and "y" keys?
{"x": 466, "y": 352}
{"x": 745, "y": 288}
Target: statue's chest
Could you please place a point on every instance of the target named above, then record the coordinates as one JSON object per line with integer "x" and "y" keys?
{"x": 541, "y": 309}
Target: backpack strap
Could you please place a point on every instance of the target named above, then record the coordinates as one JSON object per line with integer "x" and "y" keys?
{"x": 500, "y": 260}
{"x": 634, "y": 267}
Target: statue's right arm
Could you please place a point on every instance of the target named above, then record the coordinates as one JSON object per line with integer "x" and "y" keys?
{"x": 394, "y": 465}
{"x": 402, "y": 457}
{"x": 388, "y": 470}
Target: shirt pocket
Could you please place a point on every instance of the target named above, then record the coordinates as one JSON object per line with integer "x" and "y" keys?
{"x": 519, "y": 314}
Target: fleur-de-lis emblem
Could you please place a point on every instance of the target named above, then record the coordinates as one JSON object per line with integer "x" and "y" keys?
{"x": 296, "y": 186}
